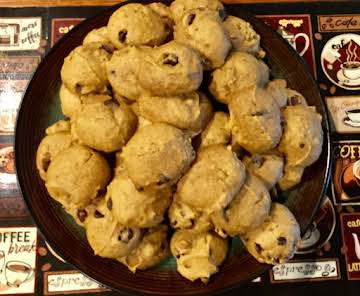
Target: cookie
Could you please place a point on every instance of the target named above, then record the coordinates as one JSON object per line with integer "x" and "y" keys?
{"x": 157, "y": 156}
{"x": 182, "y": 216}
{"x": 97, "y": 35}
{"x": 71, "y": 103}
{"x": 122, "y": 71}
{"x": 104, "y": 127}
{"x": 76, "y": 176}
{"x": 214, "y": 8}
{"x": 107, "y": 237}
{"x": 267, "y": 167}
{"x": 171, "y": 69}
{"x": 198, "y": 255}
{"x": 136, "y": 24}
{"x": 241, "y": 70}
{"x": 277, "y": 89}
{"x": 50, "y": 146}
{"x": 302, "y": 140}
{"x": 217, "y": 131}
{"x": 248, "y": 210}
{"x": 212, "y": 181}
{"x": 164, "y": 11}
{"x": 135, "y": 208}
{"x": 242, "y": 35}
{"x": 276, "y": 240}
{"x": 255, "y": 120}
{"x": 291, "y": 177}
{"x": 205, "y": 34}
{"x": 84, "y": 70}
{"x": 152, "y": 249}
{"x": 189, "y": 112}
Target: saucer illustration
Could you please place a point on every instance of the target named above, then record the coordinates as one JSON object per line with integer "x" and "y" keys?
{"x": 346, "y": 81}
{"x": 349, "y": 122}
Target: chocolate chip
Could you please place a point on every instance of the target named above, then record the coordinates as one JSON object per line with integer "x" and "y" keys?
{"x": 97, "y": 214}
{"x": 191, "y": 18}
{"x": 170, "y": 59}
{"x": 122, "y": 36}
{"x": 258, "y": 248}
{"x": 140, "y": 189}
{"x": 82, "y": 215}
{"x": 281, "y": 241}
{"x": 108, "y": 48}
{"x": 109, "y": 204}
{"x": 112, "y": 72}
{"x": 78, "y": 87}
{"x": 163, "y": 180}
{"x": 125, "y": 235}
{"x": 301, "y": 145}
{"x": 257, "y": 113}
{"x": 222, "y": 14}
{"x": 177, "y": 256}
{"x": 277, "y": 260}
{"x": 294, "y": 100}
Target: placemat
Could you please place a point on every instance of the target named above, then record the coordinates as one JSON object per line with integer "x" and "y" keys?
{"x": 326, "y": 35}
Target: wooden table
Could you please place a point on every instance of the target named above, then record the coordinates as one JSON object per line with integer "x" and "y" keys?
{"x": 36, "y": 3}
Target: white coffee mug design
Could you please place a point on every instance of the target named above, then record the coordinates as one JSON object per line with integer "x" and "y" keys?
{"x": 17, "y": 273}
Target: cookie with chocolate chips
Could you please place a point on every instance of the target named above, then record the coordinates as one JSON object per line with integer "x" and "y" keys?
{"x": 107, "y": 237}
{"x": 198, "y": 255}
{"x": 153, "y": 248}
{"x": 276, "y": 240}
{"x": 83, "y": 71}
{"x": 136, "y": 24}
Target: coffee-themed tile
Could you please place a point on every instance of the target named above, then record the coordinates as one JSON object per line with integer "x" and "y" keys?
{"x": 350, "y": 227}
{"x": 344, "y": 113}
{"x": 17, "y": 260}
{"x": 20, "y": 33}
{"x": 7, "y": 167}
{"x": 69, "y": 282}
{"x": 340, "y": 61}
{"x": 346, "y": 172}
{"x": 61, "y": 26}
{"x": 306, "y": 270}
{"x": 15, "y": 73}
{"x": 338, "y": 23}
{"x": 297, "y": 30}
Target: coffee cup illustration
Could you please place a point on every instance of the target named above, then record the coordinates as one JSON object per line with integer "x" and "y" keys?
{"x": 353, "y": 115}
{"x": 292, "y": 39}
{"x": 356, "y": 171}
{"x": 17, "y": 273}
{"x": 351, "y": 70}
{"x": 2, "y": 261}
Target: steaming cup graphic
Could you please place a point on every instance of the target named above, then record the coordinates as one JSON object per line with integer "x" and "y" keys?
{"x": 351, "y": 70}
{"x": 353, "y": 114}
{"x": 356, "y": 171}
{"x": 17, "y": 273}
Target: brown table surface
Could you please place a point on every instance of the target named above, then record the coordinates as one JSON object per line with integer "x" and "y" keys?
{"x": 35, "y": 3}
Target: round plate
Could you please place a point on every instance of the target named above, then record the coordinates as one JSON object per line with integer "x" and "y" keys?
{"x": 40, "y": 107}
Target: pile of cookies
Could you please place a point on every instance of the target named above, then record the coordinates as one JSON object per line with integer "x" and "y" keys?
{"x": 142, "y": 145}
